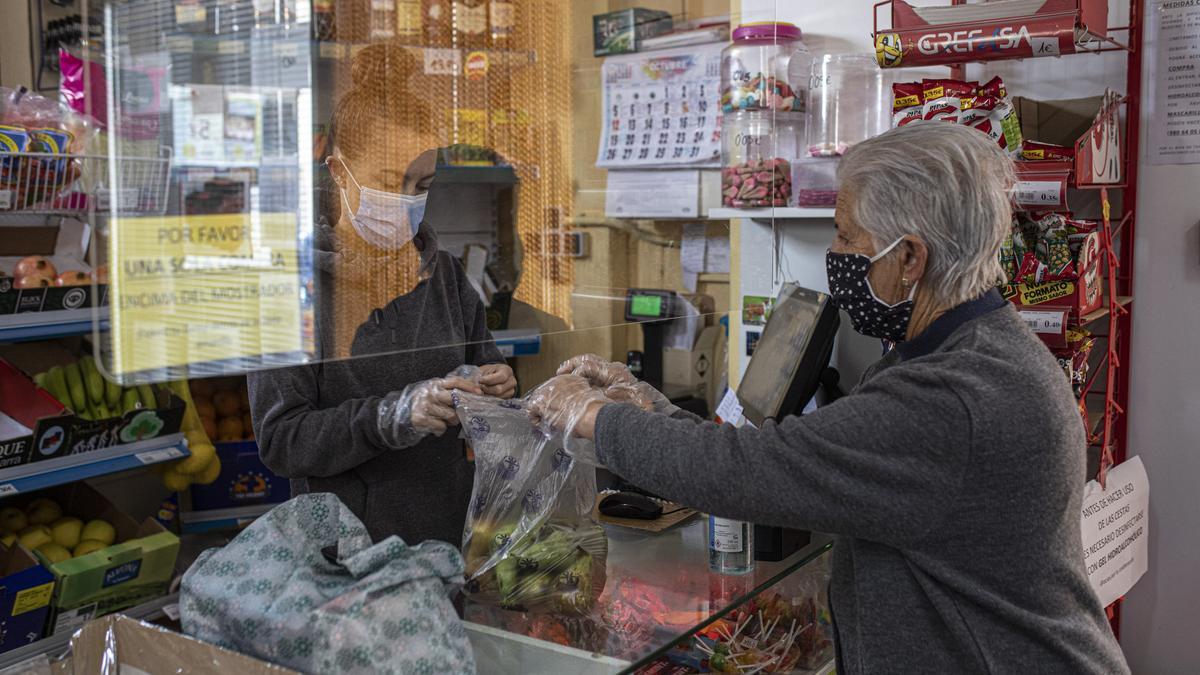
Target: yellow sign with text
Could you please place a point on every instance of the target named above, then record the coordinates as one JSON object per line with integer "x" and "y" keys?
{"x": 196, "y": 289}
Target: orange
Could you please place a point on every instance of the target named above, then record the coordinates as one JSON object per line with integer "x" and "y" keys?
{"x": 210, "y": 426}
{"x": 204, "y": 407}
{"x": 244, "y": 400}
{"x": 229, "y": 427}
{"x": 247, "y": 426}
{"x": 226, "y": 403}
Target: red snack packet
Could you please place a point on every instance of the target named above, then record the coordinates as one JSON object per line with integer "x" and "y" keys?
{"x": 994, "y": 88}
{"x": 1032, "y": 151}
{"x": 943, "y": 98}
{"x": 907, "y": 103}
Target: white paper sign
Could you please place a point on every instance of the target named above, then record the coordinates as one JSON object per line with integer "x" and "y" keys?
{"x": 1175, "y": 117}
{"x": 730, "y": 409}
{"x": 653, "y": 194}
{"x": 1115, "y": 523}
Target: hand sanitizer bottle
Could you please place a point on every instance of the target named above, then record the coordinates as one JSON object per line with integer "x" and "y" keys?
{"x": 730, "y": 546}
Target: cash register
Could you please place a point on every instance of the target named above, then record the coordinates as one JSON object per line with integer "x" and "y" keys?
{"x": 790, "y": 366}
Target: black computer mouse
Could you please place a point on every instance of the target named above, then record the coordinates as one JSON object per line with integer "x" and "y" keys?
{"x": 630, "y": 505}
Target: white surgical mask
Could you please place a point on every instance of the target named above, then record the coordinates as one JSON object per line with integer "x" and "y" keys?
{"x": 387, "y": 220}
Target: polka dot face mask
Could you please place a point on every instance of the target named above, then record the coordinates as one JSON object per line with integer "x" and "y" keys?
{"x": 851, "y": 291}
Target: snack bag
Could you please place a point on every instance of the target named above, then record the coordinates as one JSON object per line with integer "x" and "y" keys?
{"x": 1033, "y": 151}
{"x": 530, "y": 542}
{"x": 942, "y": 99}
{"x": 906, "y": 103}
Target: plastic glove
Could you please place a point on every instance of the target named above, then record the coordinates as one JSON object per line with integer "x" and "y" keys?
{"x": 563, "y": 402}
{"x": 598, "y": 370}
{"x": 423, "y": 408}
{"x": 618, "y": 383}
{"x": 497, "y": 380}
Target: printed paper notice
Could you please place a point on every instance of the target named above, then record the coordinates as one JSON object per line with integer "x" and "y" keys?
{"x": 1115, "y": 523}
{"x": 188, "y": 290}
{"x": 1175, "y": 120}
{"x": 653, "y": 194}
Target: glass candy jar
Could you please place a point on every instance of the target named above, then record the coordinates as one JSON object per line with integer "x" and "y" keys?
{"x": 765, "y": 68}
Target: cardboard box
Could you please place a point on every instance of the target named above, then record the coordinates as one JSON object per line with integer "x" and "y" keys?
{"x": 53, "y": 431}
{"x": 136, "y": 569}
{"x": 66, "y": 246}
{"x": 244, "y": 482}
{"x": 119, "y": 644}
{"x": 28, "y": 589}
{"x": 622, "y": 32}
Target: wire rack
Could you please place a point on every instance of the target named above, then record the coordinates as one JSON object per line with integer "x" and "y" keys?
{"x": 49, "y": 184}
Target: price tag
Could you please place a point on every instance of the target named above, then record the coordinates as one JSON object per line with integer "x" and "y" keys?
{"x": 730, "y": 409}
{"x": 442, "y": 61}
{"x": 507, "y": 349}
{"x": 156, "y": 456}
{"x": 190, "y": 14}
{"x": 1050, "y": 323}
{"x": 1039, "y": 193}
{"x": 6, "y": 199}
{"x": 172, "y": 611}
{"x": 8, "y": 489}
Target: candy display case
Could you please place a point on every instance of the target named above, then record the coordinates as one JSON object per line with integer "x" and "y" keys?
{"x": 661, "y": 605}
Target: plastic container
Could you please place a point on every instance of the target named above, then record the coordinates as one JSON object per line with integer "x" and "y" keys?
{"x": 765, "y": 68}
{"x": 757, "y": 153}
{"x": 846, "y": 103}
{"x": 814, "y": 182}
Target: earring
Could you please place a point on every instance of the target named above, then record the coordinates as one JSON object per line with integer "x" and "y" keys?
{"x": 904, "y": 281}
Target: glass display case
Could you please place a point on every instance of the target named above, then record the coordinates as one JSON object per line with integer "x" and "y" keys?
{"x": 661, "y": 603}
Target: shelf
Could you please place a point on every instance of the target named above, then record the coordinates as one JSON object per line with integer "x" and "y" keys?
{"x": 56, "y": 645}
{"x": 1096, "y": 315}
{"x": 72, "y": 468}
{"x": 518, "y": 342}
{"x": 771, "y": 213}
{"x": 220, "y": 520}
{"x": 49, "y": 325}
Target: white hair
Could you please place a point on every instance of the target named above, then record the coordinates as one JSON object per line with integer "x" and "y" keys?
{"x": 945, "y": 184}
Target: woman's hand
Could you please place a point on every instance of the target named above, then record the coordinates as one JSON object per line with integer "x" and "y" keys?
{"x": 597, "y": 370}
{"x": 497, "y": 380}
{"x": 568, "y": 403}
{"x": 431, "y": 404}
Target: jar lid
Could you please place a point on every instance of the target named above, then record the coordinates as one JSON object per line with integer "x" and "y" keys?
{"x": 767, "y": 30}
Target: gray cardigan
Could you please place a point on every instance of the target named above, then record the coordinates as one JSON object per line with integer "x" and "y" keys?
{"x": 953, "y": 475}
{"x": 316, "y": 424}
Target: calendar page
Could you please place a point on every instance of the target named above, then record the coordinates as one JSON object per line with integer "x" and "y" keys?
{"x": 661, "y": 109}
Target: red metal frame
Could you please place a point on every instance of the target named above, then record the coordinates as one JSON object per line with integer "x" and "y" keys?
{"x": 1117, "y": 252}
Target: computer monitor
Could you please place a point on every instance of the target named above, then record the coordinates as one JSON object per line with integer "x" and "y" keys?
{"x": 795, "y": 347}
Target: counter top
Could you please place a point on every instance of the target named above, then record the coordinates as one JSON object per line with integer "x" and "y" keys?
{"x": 659, "y": 592}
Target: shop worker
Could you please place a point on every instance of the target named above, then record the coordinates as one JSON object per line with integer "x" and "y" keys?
{"x": 372, "y": 421}
{"x": 952, "y": 474}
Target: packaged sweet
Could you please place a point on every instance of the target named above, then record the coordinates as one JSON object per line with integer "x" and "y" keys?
{"x": 13, "y": 139}
{"x": 907, "y": 103}
{"x": 994, "y": 88}
{"x": 1074, "y": 359}
{"x": 1042, "y": 249}
{"x": 530, "y": 542}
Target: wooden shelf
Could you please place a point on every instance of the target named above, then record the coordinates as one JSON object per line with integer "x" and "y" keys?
{"x": 1096, "y": 315}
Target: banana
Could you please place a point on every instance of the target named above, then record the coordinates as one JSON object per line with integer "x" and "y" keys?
{"x": 91, "y": 378}
{"x": 112, "y": 394}
{"x": 146, "y": 394}
{"x": 75, "y": 389}
{"x": 40, "y": 380}
{"x": 175, "y": 481}
{"x": 101, "y": 412}
{"x": 56, "y": 384}
{"x": 129, "y": 401}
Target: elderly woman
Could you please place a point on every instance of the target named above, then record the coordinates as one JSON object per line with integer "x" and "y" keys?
{"x": 952, "y": 474}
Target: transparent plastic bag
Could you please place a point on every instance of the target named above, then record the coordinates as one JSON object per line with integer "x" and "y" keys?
{"x": 530, "y": 542}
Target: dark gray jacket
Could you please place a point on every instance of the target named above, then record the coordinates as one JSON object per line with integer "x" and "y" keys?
{"x": 953, "y": 475}
{"x": 316, "y": 424}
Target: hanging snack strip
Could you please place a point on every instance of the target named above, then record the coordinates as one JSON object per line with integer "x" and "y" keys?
{"x": 986, "y": 108}
{"x": 1043, "y": 248}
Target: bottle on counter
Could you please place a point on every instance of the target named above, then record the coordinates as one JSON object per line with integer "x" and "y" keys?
{"x": 730, "y": 546}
